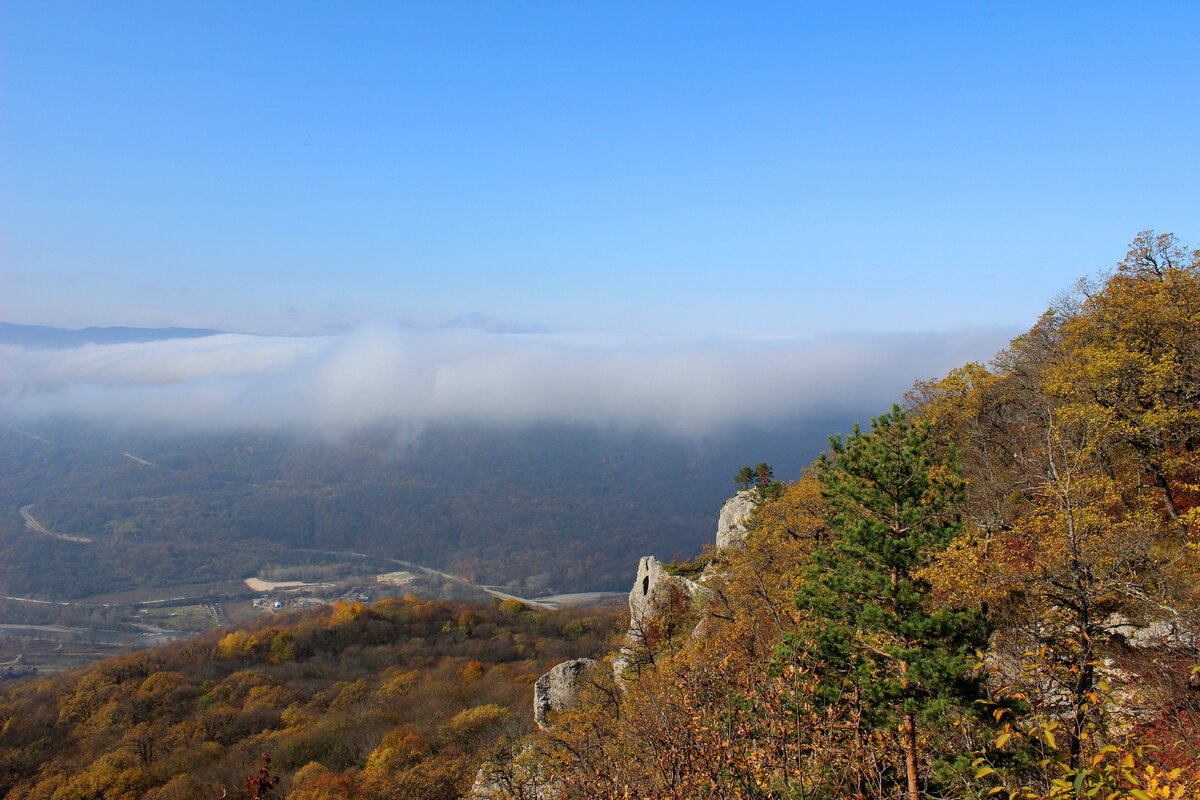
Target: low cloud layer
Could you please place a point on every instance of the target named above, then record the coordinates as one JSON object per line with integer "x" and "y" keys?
{"x": 336, "y": 385}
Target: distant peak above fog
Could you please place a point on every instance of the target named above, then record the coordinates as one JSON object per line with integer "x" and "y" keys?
{"x": 483, "y": 322}
{"x": 47, "y": 337}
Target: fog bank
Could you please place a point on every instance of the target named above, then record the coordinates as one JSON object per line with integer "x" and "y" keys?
{"x": 382, "y": 375}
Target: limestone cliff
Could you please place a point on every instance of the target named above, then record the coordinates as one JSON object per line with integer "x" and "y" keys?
{"x": 655, "y": 593}
{"x": 731, "y": 525}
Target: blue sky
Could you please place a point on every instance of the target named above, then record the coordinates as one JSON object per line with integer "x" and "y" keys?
{"x": 686, "y": 170}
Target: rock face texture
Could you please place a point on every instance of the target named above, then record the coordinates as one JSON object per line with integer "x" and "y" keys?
{"x": 1171, "y": 634}
{"x": 558, "y": 688}
{"x": 731, "y": 525}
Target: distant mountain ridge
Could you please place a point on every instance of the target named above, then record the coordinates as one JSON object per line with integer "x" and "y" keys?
{"x": 47, "y": 337}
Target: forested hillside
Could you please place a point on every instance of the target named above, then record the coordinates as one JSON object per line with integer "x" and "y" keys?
{"x": 994, "y": 591}
{"x": 539, "y": 508}
{"x": 401, "y": 699}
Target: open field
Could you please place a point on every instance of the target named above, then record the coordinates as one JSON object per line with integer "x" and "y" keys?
{"x": 259, "y": 585}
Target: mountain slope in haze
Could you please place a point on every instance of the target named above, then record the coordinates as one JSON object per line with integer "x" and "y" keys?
{"x": 540, "y": 509}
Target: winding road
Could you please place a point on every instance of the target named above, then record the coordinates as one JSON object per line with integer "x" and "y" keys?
{"x": 37, "y": 527}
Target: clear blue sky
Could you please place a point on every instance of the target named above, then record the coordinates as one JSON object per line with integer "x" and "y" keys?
{"x": 699, "y": 169}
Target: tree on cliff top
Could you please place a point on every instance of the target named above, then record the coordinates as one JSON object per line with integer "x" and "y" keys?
{"x": 744, "y": 478}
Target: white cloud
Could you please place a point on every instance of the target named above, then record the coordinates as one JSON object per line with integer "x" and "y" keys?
{"x": 375, "y": 375}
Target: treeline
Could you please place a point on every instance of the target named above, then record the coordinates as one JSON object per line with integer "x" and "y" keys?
{"x": 992, "y": 592}
{"x": 108, "y": 617}
{"x": 396, "y": 700}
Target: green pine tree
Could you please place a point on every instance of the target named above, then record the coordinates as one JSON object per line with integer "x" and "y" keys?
{"x": 878, "y": 642}
{"x": 744, "y": 478}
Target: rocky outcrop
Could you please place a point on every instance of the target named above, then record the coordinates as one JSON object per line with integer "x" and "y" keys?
{"x": 657, "y": 596}
{"x": 558, "y": 688}
{"x": 731, "y": 525}
{"x": 1169, "y": 633}
{"x": 1143, "y": 664}
{"x": 523, "y": 775}
{"x": 655, "y": 588}
{"x": 654, "y": 593}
